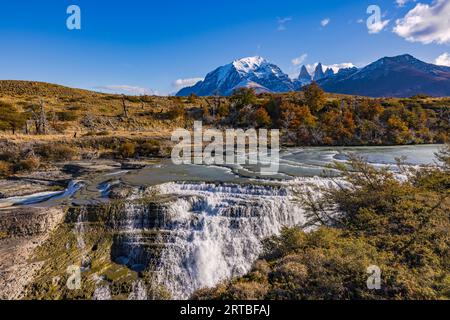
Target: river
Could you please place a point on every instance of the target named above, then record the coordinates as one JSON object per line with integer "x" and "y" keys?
{"x": 214, "y": 217}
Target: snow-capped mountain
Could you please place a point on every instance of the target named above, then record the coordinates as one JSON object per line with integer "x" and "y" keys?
{"x": 400, "y": 76}
{"x": 254, "y": 72}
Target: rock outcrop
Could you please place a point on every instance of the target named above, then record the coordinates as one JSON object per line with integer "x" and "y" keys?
{"x": 22, "y": 230}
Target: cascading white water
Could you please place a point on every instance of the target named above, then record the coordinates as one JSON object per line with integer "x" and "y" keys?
{"x": 138, "y": 292}
{"x": 102, "y": 293}
{"x": 80, "y": 231}
{"x": 218, "y": 231}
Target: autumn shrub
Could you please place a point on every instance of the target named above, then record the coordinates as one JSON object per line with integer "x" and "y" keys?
{"x": 103, "y": 133}
{"x": 239, "y": 290}
{"x": 57, "y": 152}
{"x": 127, "y": 150}
{"x": 261, "y": 118}
{"x": 176, "y": 112}
{"x": 29, "y": 164}
{"x": 150, "y": 148}
{"x": 5, "y": 169}
{"x": 192, "y": 98}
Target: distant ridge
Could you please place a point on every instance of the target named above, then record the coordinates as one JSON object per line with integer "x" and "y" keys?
{"x": 36, "y": 88}
{"x": 400, "y": 76}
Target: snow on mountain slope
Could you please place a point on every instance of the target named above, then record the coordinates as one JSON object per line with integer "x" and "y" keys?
{"x": 253, "y": 72}
{"x": 400, "y": 76}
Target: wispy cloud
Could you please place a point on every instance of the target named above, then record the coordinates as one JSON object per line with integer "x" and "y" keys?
{"x": 183, "y": 83}
{"x": 443, "y": 60}
{"x": 126, "y": 89}
{"x": 325, "y": 22}
{"x": 377, "y": 27}
{"x": 282, "y": 23}
{"x": 402, "y": 3}
{"x": 426, "y": 23}
{"x": 299, "y": 60}
{"x": 375, "y": 23}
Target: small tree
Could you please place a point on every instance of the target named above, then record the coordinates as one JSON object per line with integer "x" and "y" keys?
{"x": 10, "y": 118}
{"x": 243, "y": 97}
{"x": 125, "y": 107}
{"x": 314, "y": 97}
{"x": 39, "y": 117}
{"x": 43, "y": 118}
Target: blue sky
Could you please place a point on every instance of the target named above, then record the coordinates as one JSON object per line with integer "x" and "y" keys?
{"x": 128, "y": 45}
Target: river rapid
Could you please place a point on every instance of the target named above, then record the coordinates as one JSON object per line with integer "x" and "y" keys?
{"x": 215, "y": 216}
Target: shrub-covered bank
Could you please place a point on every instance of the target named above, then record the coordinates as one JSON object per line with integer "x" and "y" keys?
{"x": 401, "y": 226}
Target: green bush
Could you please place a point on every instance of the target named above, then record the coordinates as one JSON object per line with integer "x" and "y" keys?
{"x": 67, "y": 116}
{"x": 11, "y": 118}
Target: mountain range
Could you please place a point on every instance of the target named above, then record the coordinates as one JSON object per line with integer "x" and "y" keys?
{"x": 400, "y": 76}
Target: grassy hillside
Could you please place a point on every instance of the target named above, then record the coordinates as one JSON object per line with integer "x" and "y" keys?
{"x": 95, "y": 124}
{"x": 72, "y": 106}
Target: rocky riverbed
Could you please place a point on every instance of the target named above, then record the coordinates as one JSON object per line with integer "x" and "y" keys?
{"x": 25, "y": 228}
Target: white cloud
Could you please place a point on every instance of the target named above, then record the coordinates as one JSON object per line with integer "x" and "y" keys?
{"x": 299, "y": 60}
{"x": 443, "y": 60}
{"x": 126, "y": 89}
{"x": 377, "y": 27}
{"x": 360, "y": 21}
{"x": 335, "y": 67}
{"x": 282, "y": 23}
{"x": 402, "y": 3}
{"x": 426, "y": 23}
{"x": 325, "y": 22}
{"x": 183, "y": 83}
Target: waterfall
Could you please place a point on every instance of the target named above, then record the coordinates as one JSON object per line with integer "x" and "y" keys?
{"x": 218, "y": 231}
{"x": 79, "y": 230}
{"x": 196, "y": 235}
{"x": 102, "y": 293}
{"x": 138, "y": 292}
